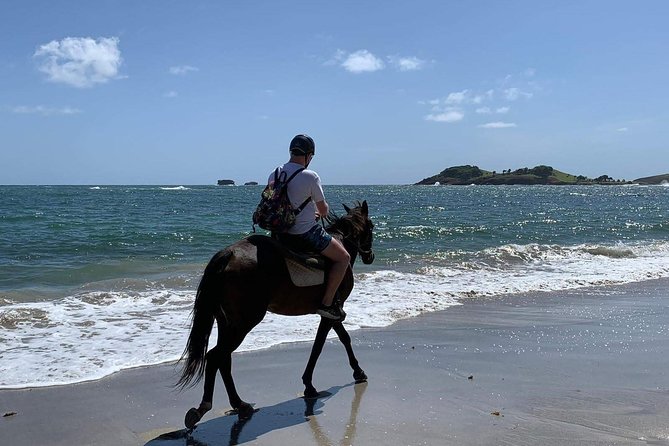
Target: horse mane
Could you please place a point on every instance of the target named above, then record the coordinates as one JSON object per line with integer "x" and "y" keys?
{"x": 351, "y": 224}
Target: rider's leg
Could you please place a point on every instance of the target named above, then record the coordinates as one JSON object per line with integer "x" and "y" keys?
{"x": 336, "y": 252}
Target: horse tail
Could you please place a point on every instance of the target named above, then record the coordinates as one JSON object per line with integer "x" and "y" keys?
{"x": 203, "y": 314}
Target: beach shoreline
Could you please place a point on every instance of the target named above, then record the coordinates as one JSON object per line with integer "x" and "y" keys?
{"x": 584, "y": 366}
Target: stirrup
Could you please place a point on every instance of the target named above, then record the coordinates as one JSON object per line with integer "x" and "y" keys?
{"x": 333, "y": 312}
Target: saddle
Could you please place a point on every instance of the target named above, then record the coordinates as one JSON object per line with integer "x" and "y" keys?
{"x": 305, "y": 268}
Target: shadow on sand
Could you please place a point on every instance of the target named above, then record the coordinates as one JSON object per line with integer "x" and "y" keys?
{"x": 231, "y": 430}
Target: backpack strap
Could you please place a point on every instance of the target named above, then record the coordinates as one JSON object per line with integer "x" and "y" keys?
{"x": 280, "y": 175}
{"x": 305, "y": 202}
{"x": 303, "y": 205}
{"x": 293, "y": 175}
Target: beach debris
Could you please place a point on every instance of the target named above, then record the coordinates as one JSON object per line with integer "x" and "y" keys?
{"x": 9, "y": 414}
{"x": 470, "y": 377}
{"x": 496, "y": 413}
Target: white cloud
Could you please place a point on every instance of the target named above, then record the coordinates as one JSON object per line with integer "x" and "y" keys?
{"x": 408, "y": 63}
{"x": 336, "y": 59}
{"x": 80, "y": 61}
{"x": 182, "y": 70}
{"x": 44, "y": 111}
{"x": 483, "y": 110}
{"x": 497, "y": 125}
{"x": 512, "y": 94}
{"x": 622, "y": 129}
{"x": 170, "y": 94}
{"x": 467, "y": 97}
{"x": 362, "y": 61}
{"x": 503, "y": 110}
{"x": 530, "y": 72}
{"x": 457, "y": 97}
{"x": 447, "y": 116}
{"x": 478, "y": 99}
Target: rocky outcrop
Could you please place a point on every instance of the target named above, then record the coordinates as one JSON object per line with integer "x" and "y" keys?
{"x": 657, "y": 179}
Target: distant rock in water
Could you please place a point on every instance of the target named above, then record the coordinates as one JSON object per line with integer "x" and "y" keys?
{"x": 657, "y": 179}
{"x": 226, "y": 182}
{"x": 251, "y": 183}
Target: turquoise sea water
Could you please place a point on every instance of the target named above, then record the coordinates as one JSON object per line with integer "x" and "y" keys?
{"x": 96, "y": 279}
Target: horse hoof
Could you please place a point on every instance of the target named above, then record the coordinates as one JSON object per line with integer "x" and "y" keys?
{"x": 310, "y": 393}
{"x": 360, "y": 377}
{"x": 245, "y": 411}
{"x": 192, "y": 417}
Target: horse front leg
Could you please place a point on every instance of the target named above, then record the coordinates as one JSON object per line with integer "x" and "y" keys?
{"x": 323, "y": 329}
{"x": 358, "y": 374}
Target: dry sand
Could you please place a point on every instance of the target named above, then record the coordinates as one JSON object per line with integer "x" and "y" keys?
{"x": 586, "y": 367}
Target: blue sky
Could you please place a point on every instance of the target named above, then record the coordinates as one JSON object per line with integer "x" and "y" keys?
{"x": 188, "y": 92}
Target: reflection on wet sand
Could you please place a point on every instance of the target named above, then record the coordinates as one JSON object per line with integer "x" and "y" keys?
{"x": 265, "y": 420}
{"x": 349, "y": 434}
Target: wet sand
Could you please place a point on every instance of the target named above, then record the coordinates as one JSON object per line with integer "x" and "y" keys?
{"x": 586, "y": 367}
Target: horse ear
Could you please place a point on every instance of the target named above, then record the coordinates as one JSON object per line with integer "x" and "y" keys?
{"x": 365, "y": 209}
{"x": 346, "y": 208}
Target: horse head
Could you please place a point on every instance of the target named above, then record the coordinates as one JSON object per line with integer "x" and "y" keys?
{"x": 362, "y": 231}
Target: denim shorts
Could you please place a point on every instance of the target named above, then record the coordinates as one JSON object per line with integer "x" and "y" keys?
{"x": 314, "y": 240}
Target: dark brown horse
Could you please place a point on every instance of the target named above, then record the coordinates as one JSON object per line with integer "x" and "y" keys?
{"x": 244, "y": 281}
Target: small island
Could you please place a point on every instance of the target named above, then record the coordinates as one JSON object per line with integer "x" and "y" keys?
{"x": 465, "y": 175}
{"x": 251, "y": 183}
{"x": 226, "y": 182}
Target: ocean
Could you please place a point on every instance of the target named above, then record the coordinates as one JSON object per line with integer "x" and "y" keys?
{"x": 96, "y": 279}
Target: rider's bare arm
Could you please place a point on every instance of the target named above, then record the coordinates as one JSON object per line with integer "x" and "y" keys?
{"x": 322, "y": 208}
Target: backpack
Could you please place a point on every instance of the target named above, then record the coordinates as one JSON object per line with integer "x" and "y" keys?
{"x": 275, "y": 212}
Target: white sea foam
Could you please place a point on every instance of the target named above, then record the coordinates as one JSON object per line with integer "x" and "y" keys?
{"x": 92, "y": 334}
{"x": 175, "y": 188}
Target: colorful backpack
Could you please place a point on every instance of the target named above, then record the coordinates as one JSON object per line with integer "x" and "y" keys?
{"x": 275, "y": 212}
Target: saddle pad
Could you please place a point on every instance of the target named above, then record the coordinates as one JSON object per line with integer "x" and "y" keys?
{"x": 303, "y": 275}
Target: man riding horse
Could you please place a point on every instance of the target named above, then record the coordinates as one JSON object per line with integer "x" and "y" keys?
{"x": 245, "y": 280}
{"x": 307, "y": 235}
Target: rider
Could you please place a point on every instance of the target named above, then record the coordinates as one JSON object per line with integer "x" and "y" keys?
{"x": 307, "y": 234}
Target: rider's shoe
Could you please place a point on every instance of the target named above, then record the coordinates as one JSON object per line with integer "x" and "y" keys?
{"x": 337, "y": 303}
{"x": 332, "y": 312}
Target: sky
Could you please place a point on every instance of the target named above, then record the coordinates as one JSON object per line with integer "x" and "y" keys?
{"x": 189, "y": 92}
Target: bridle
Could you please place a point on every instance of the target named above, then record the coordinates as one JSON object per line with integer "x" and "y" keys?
{"x": 367, "y": 255}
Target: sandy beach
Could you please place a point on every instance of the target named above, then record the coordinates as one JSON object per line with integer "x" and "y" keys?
{"x": 585, "y": 367}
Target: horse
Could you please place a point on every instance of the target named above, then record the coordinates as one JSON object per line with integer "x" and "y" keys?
{"x": 244, "y": 281}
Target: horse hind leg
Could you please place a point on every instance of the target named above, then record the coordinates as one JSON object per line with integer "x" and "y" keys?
{"x": 219, "y": 359}
{"x": 228, "y": 341}
{"x": 242, "y": 408}
{"x": 194, "y": 415}
{"x": 358, "y": 374}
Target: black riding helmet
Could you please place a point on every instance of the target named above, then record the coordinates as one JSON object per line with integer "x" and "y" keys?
{"x": 302, "y": 145}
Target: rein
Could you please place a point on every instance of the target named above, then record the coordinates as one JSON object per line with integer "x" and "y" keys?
{"x": 346, "y": 238}
{"x": 364, "y": 251}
